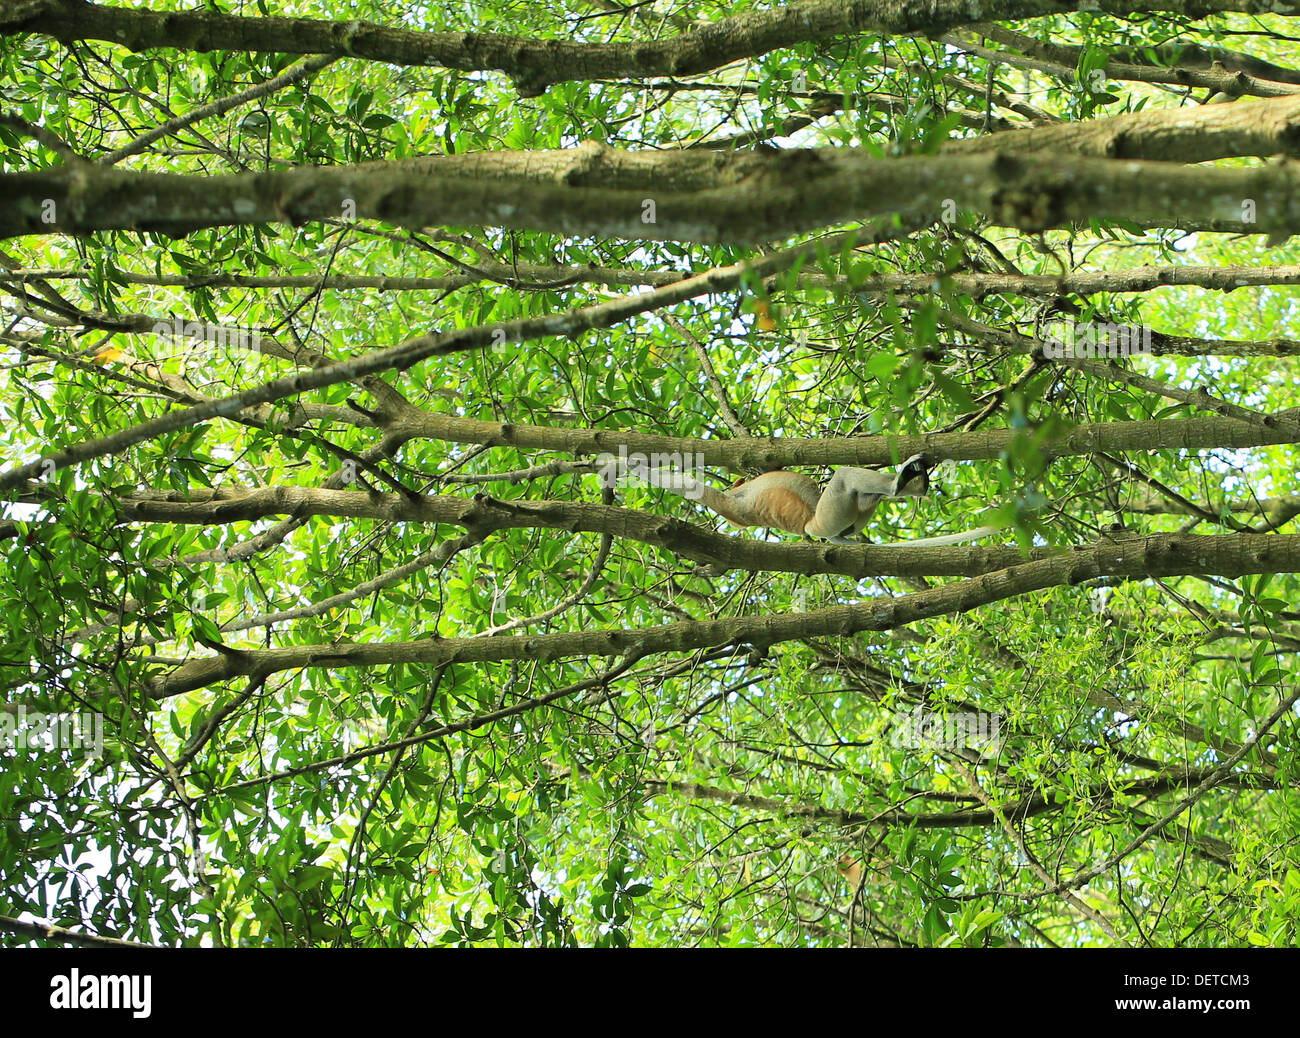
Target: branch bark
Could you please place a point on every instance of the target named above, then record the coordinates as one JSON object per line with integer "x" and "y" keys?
{"x": 535, "y": 64}
{"x": 1137, "y": 558}
{"x": 779, "y": 195}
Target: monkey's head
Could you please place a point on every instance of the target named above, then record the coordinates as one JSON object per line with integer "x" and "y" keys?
{"x": 913, "y": 478}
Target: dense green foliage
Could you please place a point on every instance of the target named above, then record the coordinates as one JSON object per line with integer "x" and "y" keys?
{"x": 738, "y": 794}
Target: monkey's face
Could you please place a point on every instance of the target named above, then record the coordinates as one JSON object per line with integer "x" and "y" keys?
{"x": 913, "y": 479}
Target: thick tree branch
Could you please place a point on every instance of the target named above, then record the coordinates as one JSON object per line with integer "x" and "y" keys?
{"x": 535, "y": 64}
{"x": 1230, "y": 555}
{"x": 780, "y": 195}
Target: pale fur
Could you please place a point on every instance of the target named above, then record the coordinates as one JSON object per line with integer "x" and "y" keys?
{"x": 793, "y": 502}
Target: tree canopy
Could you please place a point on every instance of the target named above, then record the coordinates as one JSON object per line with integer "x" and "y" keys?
{"x": 319, "y": 336}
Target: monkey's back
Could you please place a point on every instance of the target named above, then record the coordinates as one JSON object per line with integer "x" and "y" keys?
{"x": 778, "y": 500}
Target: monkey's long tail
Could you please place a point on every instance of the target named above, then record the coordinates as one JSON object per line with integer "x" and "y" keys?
{"x": 692, "y": 490}
{"x": 951, "y": 538}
